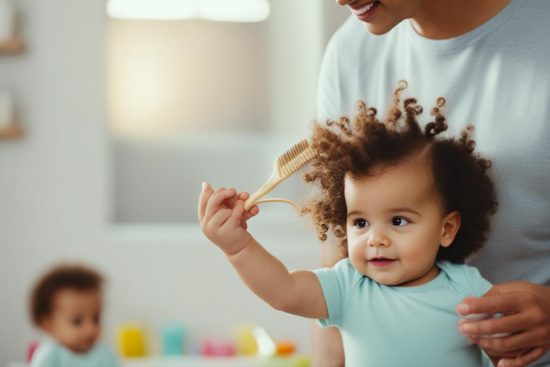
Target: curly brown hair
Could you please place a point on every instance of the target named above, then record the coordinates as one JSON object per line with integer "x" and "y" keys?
{"x": 355, "y": 148}
{"x": 66, "y": 276}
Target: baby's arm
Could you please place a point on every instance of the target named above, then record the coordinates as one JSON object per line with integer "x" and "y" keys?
{"x": 223, "y": 221}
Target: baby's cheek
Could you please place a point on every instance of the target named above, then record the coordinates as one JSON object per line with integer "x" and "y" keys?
{"x": 413, "y": 253}
{"x": 357, "y": 256}
{"x": 356, "y": 250}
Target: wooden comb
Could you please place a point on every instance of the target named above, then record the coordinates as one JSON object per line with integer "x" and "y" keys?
{"x": 288, "y": 163}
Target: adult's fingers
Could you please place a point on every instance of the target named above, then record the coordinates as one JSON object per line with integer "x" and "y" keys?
{"x": 526, "y": 339}
{"x": 491, "y": 304}
{"x": 522, "y": 360}
{"x": 509, "y": 354}
{"x": 510, "y": 323}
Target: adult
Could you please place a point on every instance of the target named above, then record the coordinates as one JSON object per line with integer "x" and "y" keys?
{"x": 490, "y": 59}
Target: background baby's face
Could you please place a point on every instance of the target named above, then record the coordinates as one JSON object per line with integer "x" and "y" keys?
{"x": 75, "y": 320}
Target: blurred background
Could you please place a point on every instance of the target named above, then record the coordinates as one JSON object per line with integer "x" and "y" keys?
{"x": 118, "y": 121}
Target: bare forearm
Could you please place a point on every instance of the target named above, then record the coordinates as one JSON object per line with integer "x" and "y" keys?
{"x": 222, "y": 215}
{"x": 263, "y": 273}
{"x": 297, "y": 292}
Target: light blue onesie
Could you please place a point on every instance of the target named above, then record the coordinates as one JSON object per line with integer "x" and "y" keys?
{"x": 496, "y": 77}
{"x": 52, "y": 354}
{"x": 388, "y": 326}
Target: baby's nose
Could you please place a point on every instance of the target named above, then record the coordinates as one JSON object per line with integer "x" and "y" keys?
{"x": 378, "y": 238}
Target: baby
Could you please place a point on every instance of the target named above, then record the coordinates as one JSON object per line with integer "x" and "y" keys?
{"x": 409, "y": 206}
{"x": 66, "y": 303}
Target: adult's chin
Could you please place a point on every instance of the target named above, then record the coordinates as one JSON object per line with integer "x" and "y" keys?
{"x": 378, "y": 29}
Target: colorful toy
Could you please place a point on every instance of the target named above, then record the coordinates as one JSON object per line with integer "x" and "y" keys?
{"x": 173, "y": 337}
{"x": 266, "y": 346}
{"x": 245, "y": 340}
{"x": 131, "y": 341}
{"x": 217, "y": 348}
{"x": 285, "y": 348}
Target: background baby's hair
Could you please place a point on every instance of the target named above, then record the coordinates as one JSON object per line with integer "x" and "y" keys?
{"x": 62, "y": 276}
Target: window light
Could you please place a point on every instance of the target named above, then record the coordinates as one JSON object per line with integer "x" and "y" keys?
{"x": 217, "y": 10}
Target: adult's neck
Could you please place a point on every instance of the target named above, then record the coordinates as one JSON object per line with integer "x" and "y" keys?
{"x": 443, "y": 19}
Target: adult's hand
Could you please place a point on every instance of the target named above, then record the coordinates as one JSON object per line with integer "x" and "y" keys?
{"x": 526, "y": 319}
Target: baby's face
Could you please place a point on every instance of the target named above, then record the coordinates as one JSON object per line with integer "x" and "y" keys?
{"x": 396, "y": 224}
{"x": 75, "y": 319}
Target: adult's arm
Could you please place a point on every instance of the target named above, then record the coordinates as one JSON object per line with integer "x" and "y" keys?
{"x": 328, "y": 349}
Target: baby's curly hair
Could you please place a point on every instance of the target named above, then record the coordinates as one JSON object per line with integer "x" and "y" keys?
{"x": 355, "y": 148}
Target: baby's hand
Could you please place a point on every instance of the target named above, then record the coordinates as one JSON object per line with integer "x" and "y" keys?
{"x": 223, "y": 219}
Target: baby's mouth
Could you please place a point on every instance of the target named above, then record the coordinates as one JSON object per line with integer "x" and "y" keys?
{"x": 381, "y": 261}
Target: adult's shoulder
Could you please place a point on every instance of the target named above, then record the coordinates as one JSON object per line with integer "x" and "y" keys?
{"x": 534, "y": 4}
{"x": 529, "y": 20}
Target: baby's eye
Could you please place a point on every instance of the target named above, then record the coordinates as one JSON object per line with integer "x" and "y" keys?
{"x": 360, "y": 223}
{"x": 97, "y": 319}
{"x": 77, "y": 321}
{"x": 399, "y": 221}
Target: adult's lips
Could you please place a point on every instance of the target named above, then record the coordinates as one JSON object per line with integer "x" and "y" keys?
{"x": 365, "y": 10}
{"x": 359, "y": 7}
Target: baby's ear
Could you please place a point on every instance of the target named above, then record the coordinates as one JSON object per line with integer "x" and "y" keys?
{"x": 449, "y": 228}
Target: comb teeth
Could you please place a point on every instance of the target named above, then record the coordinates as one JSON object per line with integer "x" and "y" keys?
{"x": 295, "y": 158}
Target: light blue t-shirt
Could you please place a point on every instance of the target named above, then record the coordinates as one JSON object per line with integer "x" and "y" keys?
{"x": 496, "y": 77}
{"x": 52, "y": 354}
{"x": 388, "y": 326}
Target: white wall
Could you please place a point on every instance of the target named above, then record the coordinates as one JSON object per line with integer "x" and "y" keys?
{"x": 54, "y": 194}
{"x": 296, "y": 53}
{"x": 297, "y": 39}
{"x": 53, "y": 184}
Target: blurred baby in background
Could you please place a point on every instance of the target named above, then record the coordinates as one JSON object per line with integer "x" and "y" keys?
{"x": 66, "y": 303}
